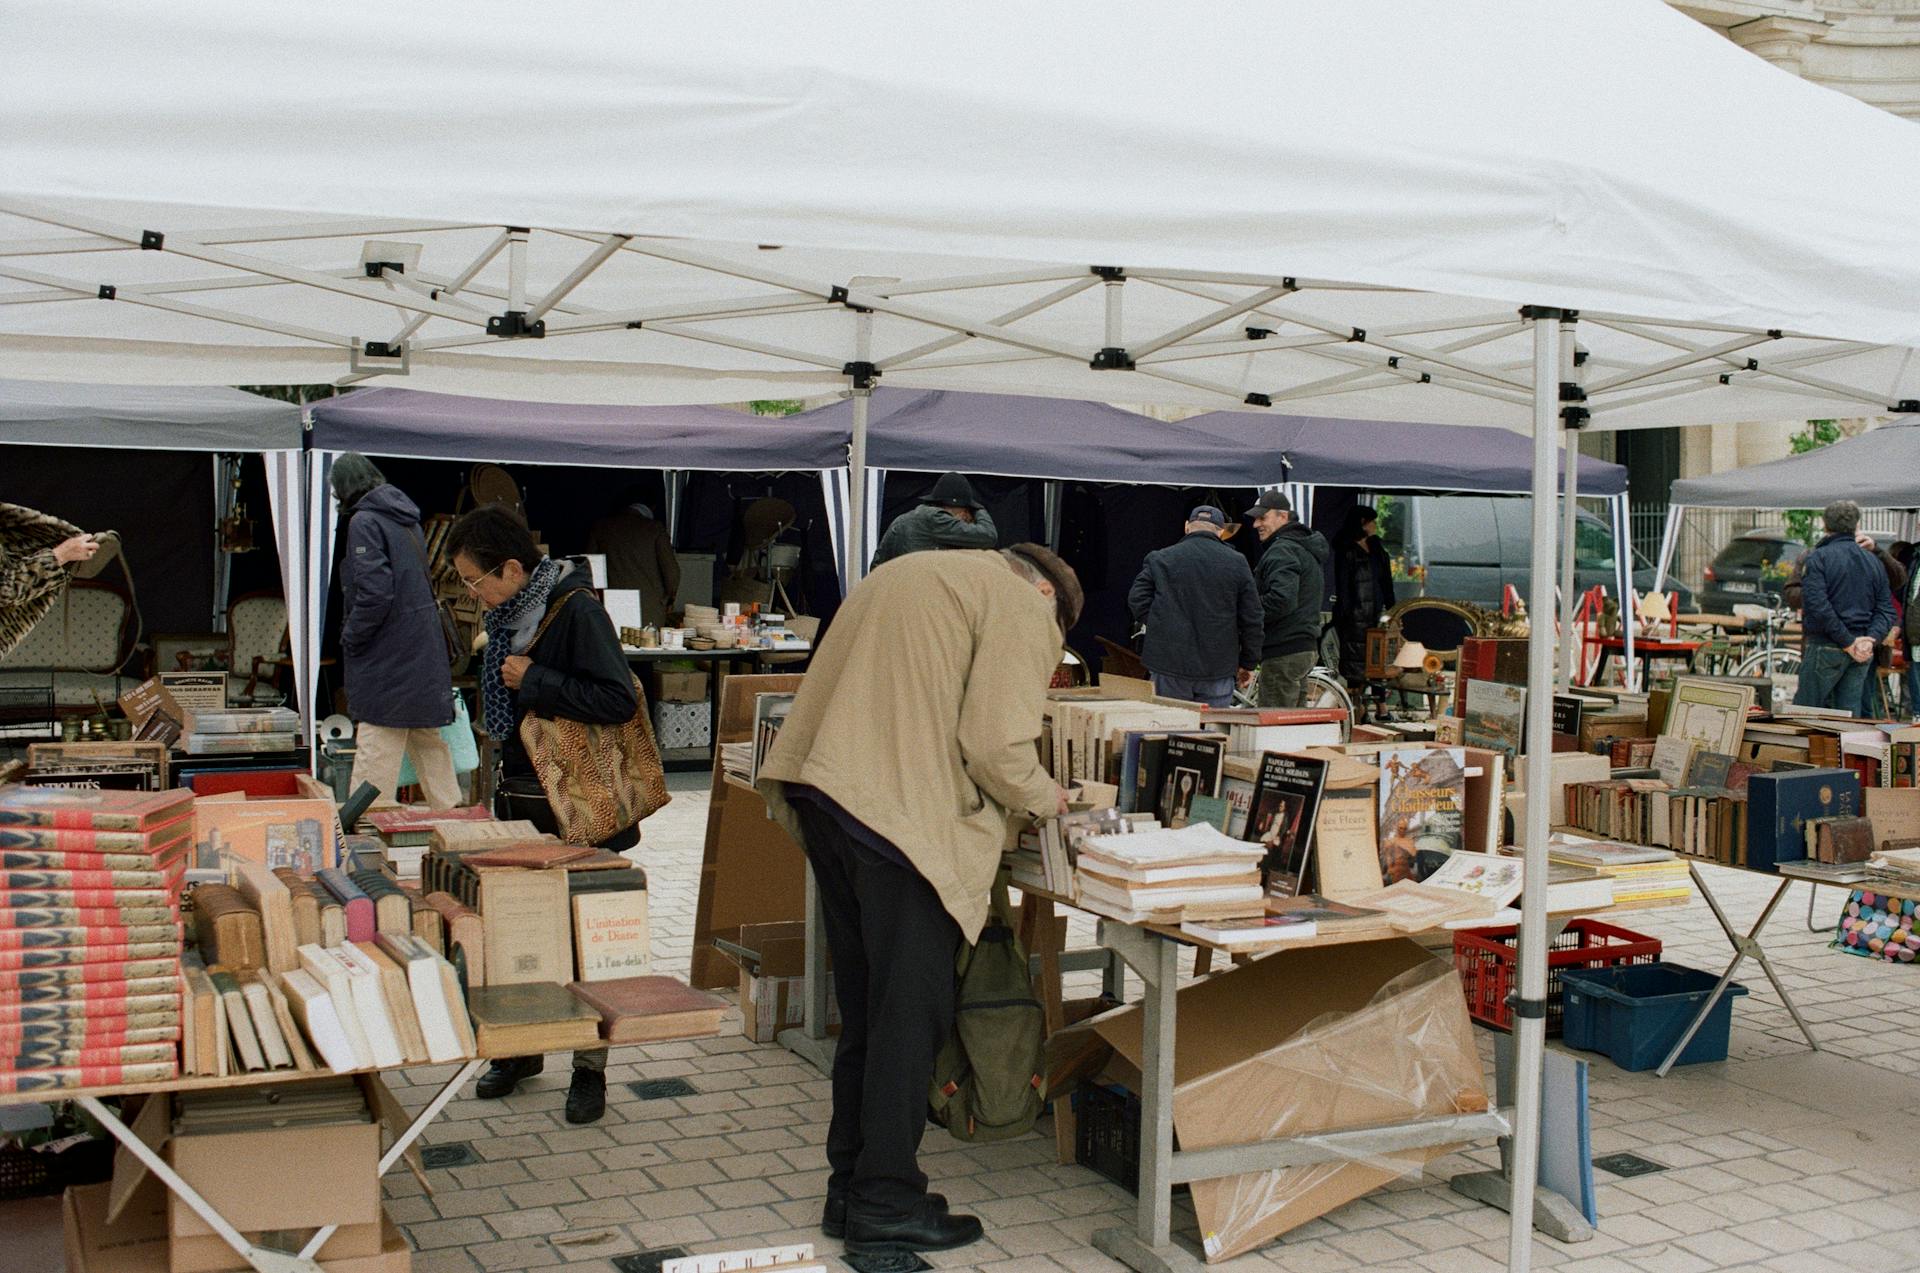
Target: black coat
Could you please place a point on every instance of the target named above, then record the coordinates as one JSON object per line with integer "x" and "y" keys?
{"x": 1202, "y": 613}
{"x": 579, "y": 671}
{"x": 1293, "y": 584}
{"x": 1363, "y": 583}
{"x": 391, "y": 641}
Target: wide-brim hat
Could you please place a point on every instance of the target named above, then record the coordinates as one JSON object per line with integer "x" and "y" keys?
{"x": 953, "y": 491}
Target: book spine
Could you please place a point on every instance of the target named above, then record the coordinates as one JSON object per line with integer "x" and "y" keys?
{"x": 106, "y": 1010}
{"x": 108, "y": 917}
{"x": 53, "y": 1055}
{"x": 15, "y": 1082}
{"x": 72, "y": 974}
{"x": 41, "y": 988}
{"x": 14, "y": 939}
{"x": 76, "y": 860}
{"x": 28, "y": 881}
{"x": 121, "y": 899}
{"x": 71, "y": 956}
{"x": 109, "y": 1032}
{"x": 89, "y": 819}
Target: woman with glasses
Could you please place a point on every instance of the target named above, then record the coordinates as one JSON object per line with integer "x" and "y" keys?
{"x": 576, "y": 671}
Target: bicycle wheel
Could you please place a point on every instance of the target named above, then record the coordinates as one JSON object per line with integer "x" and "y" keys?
{"x": 1324, "y": 689}
{"x": 1781, "y": 667}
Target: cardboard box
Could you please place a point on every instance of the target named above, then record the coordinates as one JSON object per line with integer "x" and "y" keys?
{"x": 300, "y": 828}
{"x": 137, "y": 1242}
{"x": 267, "y": 1180}
{"x": 683, "y": 687}
{"x": 773, "y": 980}
{"x": 1259, "y": 1057}
{"x": 677, "y": 725}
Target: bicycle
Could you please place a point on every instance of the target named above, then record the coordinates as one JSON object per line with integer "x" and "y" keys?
{"x": 1780, "y": 664}
{"x": 1325, "y": 688}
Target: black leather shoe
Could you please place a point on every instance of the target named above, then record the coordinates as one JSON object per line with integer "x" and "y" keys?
{"x": 927, "y": 1228}
{"x": 587, "y": 1098}
{"x": 503, "y": 1076}
{"x": 833, "y": 1221}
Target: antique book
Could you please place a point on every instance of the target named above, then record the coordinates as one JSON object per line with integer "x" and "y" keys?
{"x": 94, "y": 840}
{"x": 427, "y": 925}
{"x": 1192, "y": 768}
{"x": 1495, "y": 717}
{"x": 303, "y": 900}
{"x": 1782, "y": 803}
{"x": 1709, "y": 770}
{"x": 1840, "y": 839}
{"x": 527, "y": 925}
{"x": 203, "y": 1021}
{"x": 651, "y": 1009}
{"x": 1673, "y": 759}
{"x": 83, "y": 938}
{"x": 531, "y": 1018}
{"x": 289, "y": 1031}
{"x": 267, "y": 1026}
{"x": 1496, "y": 879}
{"x": 1328, "y": 915}
{"x": 98, "y": 953}
{"x": 1413, "y": 908}
{"x": 464, "y": 933}
{"x": 341, "y": 1048}
{"x": 64, "y": 914}
{"x": 1346, "y": 843}
{"x": 240, "y": 1029}
{"x": 88, "y": 810}
{"x": 1286, "y": 807}
{"x": 1422, "y": 805}
{"x": 392, "y": 905}
{"x": 47, "y": 1055}
{"x": 397, "y": 992}
{"x": 228, "y": 929}
{"x": 357, "y": 1000}
{"x": 416, "y": 826}
{"x": 535, "y": 856}
{"x": 442, "y": 1018}
{"x": 610, "y": 937}
{"x": 17, "y": 1082}
{"x": 356, "y": 907}
{"x": 268, "y": 895}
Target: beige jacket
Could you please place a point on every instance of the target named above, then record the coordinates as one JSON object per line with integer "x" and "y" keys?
{"x": 919, "y": 716}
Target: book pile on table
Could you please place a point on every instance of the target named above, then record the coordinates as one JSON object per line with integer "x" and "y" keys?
{"x": 1046, "y": 854}
{"x": 240, "y": 731}
{"x": 1640, "y": 873}
{"x": 90, "y": 935}
{"x": 1169, "y": 876}
{"x": 407, "y": 833}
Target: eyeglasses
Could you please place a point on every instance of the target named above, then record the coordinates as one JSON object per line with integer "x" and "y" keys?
{"x": 473, "y": 585}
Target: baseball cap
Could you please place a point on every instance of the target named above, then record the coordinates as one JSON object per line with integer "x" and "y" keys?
{"x": 1209, "y": 514}
{"x": 1269, "y": 500}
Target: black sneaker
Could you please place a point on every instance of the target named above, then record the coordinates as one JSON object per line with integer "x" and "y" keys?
{"x": 587, "y": 1098}
{"x": 503, "y": 1076}
{"x": 833, "y": 1220}
{"x": 927, "y": 1228}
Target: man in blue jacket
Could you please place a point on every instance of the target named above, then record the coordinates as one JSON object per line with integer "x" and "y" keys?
{"x": 1847, "y": 610}
{"x": 1202, "y": 614}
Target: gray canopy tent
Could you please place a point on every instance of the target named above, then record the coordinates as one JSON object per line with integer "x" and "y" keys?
{"x": 1878, "y": 469}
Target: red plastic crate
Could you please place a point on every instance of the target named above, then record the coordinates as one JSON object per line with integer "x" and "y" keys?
{"x": 1484, "y": 958}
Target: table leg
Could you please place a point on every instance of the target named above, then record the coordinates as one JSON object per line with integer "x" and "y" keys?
{"x": 811, "y": 1042}
{"x": 1813, "y": 898}
{"x": 1744, "y": 947}
{"x": 264, "y": 1259}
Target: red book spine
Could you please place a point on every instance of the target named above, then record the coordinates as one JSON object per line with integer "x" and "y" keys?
{"x": 65, "y": 1011}
{"x": 85, "y": 898}
{"x": 102, "y": 917}
{"x": 75, "y": 974}
{"x": 107, "y": 1032}
{"x": 16, "y": 1081}
{"x": 88, "y": 956}
{"x": 91, "y": 991}
{"x": 82, "y": 935}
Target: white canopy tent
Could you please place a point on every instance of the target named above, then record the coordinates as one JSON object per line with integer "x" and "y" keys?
{"x": 775, "y": 201}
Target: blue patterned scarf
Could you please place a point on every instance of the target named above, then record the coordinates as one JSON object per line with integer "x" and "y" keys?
{"x": 496, "y": 700}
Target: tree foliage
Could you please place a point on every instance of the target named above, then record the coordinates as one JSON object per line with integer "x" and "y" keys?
{"x": 1801, "y": 522}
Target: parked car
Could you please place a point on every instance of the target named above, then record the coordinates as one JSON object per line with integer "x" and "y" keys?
{"x": 1735, "y": 576}
{"x": 1473, "y": 546}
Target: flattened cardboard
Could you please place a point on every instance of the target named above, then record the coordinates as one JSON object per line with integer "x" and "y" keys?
{"x": 139, "y": 1243}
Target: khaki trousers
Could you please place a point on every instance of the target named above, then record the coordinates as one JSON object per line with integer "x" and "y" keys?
{"x": 378, "y": 749}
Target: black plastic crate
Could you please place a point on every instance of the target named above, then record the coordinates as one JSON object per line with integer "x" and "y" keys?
{"x": 1107, "y": 1133}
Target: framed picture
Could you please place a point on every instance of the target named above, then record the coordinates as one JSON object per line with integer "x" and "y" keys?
{"x": 1708, "y": 711}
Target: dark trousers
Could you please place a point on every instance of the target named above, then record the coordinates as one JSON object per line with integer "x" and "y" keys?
{"x": 893, "y": 948}
{"x": 1829, "y": 677}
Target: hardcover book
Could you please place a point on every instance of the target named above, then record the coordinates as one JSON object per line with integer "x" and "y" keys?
{"x": 530, "y": 1019}
{"x": 1286, "y": 807}
{"x": 1496, "y": 717}
{"x": 77, "y": 810}
{"x": 1780, "y": 806}
{"x": 1422, "y": 805}
{"x": 1192, "y": 768}
{"x": 610, "y": 936}
{"x": 651, "y": 1009}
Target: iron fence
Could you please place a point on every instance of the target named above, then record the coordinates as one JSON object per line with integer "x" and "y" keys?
{"x": 1705, "y": 531}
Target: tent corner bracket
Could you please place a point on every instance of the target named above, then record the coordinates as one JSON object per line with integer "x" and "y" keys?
{"x": 1112, "y": 358}
{"x": 108, "y": 291}
{"x": 513, "y": 324}
{"x": 863, "y": 374}
{"x": 152, "y": 241}
{"x": 1259, "y": 399}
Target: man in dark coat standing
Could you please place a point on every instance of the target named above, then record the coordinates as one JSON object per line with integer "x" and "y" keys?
{"x": 1362, "y": 589}
{"x": 1292, "y": 581}
{"x": 399, "y": 684}
{"x": 1202, "y": 614}
{"x": 950, "y": 516}
{"x": 1847, "y": 611}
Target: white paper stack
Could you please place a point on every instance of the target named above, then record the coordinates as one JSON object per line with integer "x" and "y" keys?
{"x": 1167, "y": 876}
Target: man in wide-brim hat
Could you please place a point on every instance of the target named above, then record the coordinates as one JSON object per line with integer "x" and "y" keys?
{"x": 949, "y": 516}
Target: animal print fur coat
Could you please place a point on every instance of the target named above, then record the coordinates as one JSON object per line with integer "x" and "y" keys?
{"x": 30, "y": 579}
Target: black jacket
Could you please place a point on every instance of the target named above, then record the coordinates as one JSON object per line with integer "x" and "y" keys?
{"x": 1202, "y": 613}
{"x": 1293, "y": 582}
{"x": 1363, "y": 583}
{"x": 394, "y": 650}
{"x": 1846, "y": 593}
{"x": 578, "y": 673}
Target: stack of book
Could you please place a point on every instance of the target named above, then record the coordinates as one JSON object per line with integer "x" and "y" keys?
{"x": 1045, "y": 856}
{"x": 1640, "y": 873}
{"x": 242, "y": 731}
{"x": 1170, "y": 876}
{"x": 90, "y": 936}
{"x": 408, "y": 833}
{"x": 1253, "y": 730}
{"x": 769, "y": 714}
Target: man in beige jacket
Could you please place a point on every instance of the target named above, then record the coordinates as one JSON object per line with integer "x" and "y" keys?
{"x": 904, "y": 768}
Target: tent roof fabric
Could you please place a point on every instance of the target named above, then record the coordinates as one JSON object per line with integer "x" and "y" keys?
{"x": 790, "y": 174}
{"x": 1017, "y": 436}
{"x": 1876, "y": 469}
{"x": 1391, "y": 455}
{"x": 404, "y": 422}
{"x": 145, "y": 417}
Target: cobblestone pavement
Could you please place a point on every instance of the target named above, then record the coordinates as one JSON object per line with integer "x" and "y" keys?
{"x": 1780, "y": 1159}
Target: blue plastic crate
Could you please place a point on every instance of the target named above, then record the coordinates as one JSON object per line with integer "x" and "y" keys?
{"x": 1636, "y": 1014}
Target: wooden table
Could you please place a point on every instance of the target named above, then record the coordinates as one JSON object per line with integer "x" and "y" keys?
{"x": 719, "y": 658}
{"x": 264, "y": 1259}
{"x": 1646, "y": 649}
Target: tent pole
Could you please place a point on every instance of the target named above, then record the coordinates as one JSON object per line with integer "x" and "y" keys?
{"x": 1623, "y": 562}
{"x": 1529, "y": 1009}
{"x": 857, "y": 451}
{"x": 1570, "y": 515}
{"x": 1669, "y": 544}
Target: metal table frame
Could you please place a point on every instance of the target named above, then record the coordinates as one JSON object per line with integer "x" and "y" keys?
{"x": 264, "y": 1259}
{"x": 1149, "y": 1246}
{"x": 1744, "y": 947}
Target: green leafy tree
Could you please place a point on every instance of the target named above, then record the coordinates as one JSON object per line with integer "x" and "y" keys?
{"x": 1800, "y": 522}
{"x": 777, "y": 406}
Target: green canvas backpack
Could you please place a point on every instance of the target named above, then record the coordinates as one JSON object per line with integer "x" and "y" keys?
{"x": 987, "y": 1081}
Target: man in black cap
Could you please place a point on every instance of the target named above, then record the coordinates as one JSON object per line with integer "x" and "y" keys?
{"x": 1292, "y": 582}
{"x": 1202, "y": 614}
{"x": 949, "y": 516}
